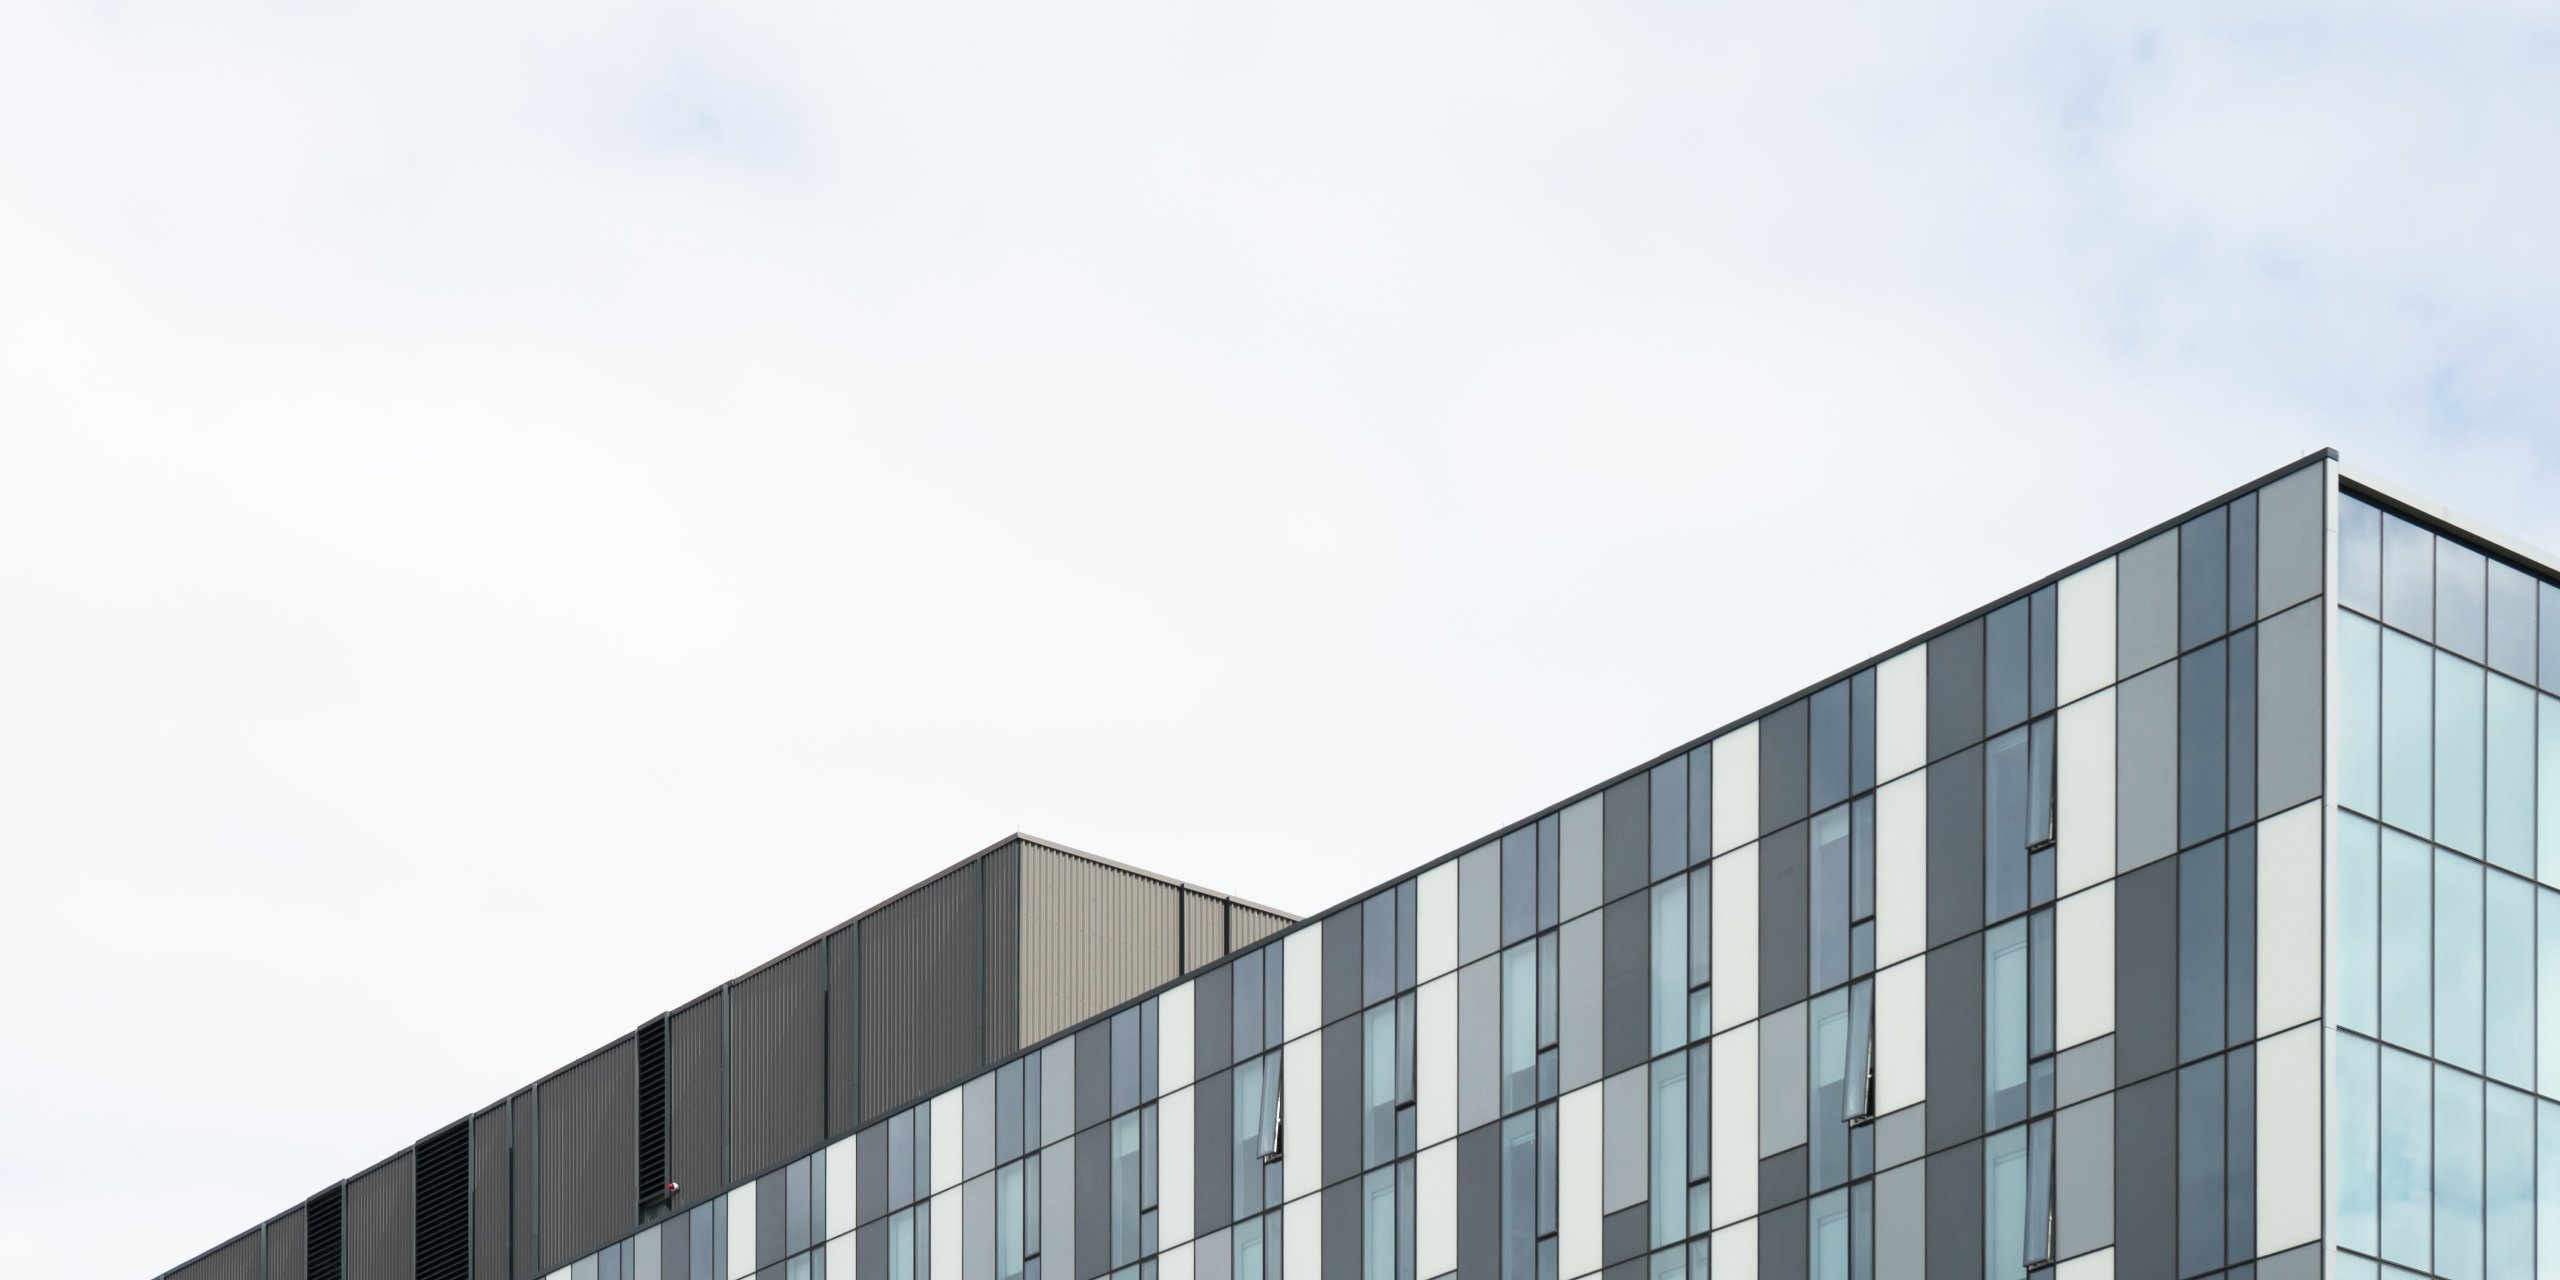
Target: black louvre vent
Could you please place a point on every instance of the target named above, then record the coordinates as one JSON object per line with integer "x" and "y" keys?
{"x": 325, "y": 1255}
{"x": 444, "y": 1205}
{"x": 653, "y": 1113}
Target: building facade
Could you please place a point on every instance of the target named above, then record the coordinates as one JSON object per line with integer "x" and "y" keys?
{"x": 2192, "y": 913}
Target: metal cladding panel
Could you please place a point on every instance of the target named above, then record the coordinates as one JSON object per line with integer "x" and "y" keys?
{"x": 777, "y": 1061}
{"x": 238, "y": 1260}
{"x": 489, "y": 1186}
{"x": 842, "y": 1113}
{"x": 1003, "y": 871}
{"x": 382, "y": 1222}
{"x": 1249, "y": 925}
{"x": 523, "y": 1187}
{"x": 697, "y": 1107}
{"x": 921, "y": 992}
{"x": 590, "y": 1153}
{"x": 1093, "y": 935}
{"x": 1204, "y": 929}
{"x": 286, "y": 1257}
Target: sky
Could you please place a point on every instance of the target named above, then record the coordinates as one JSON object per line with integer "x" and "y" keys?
{"x": 511, "y": 514}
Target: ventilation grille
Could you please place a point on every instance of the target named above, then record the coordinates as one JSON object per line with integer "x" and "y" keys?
{"x": 653, "y": 1112}
{"x": 444, "y": 1205}
{"x": 327, "y": 1224}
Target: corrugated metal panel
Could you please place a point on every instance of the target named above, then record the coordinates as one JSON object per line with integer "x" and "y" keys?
{"x": 1204, "y": 929}
{"x": 1249, "y": 925}
{"x": 440, "y": 1215}
{"x": 489, "y": 1185}
{"x": 286, "y": 1259}
{"x": 697, "y": 1105}
{"x": 1004, "y": 951}
{"x": 921, "y": 1002}
{"x": 381, "y": 1222}
{"x": 525, "y": 1193}
{"x": 589, "y": 1158}
{"x": 1092, "y": 935}
{"x": 777, "y": 1062}
{"x": 238, "y": 1260}
{"x": 843, "y": 1109}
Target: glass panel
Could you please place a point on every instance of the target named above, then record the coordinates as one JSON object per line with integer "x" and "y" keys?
{"x": 1520, "y": 1027}
{"x": 1700, "y": 920}
{"x": 1248, "y": 1118}
{"x": 1378, "y": 948}
{"x": 2204, "y": 594}
{"x": 2360, "y": 556}
{"x": 2458, "y": 1191}
{"x": 2004, "y": 1024}
{"x": 2040, "y": 1191}
{"x": 2546, "y": 1235}
{"x": 1862, "y": 858}
{"x": 2200, "y": 1171}
{"x": 1247, "y": 972}
{"x": 2458, "y": 980}
{"x": 2509, "y": 977}
{"x": 1857, "y": 1102}
{"x": 1828, "y": 930}
{"x": 2004, "y": 827}
{"x": 2408, "y": 732}
{"x": 2203, "y": 767}
{"x": 2508, "y": 1171}
{"x": 1009, "y": 1222}
{"x": 2004, "y": 1206}
{"x": 2546, "y": 965}
{"x": 1519, "y": 885}
{"x": 2359, "y": 715}
{"x": 2407, "y": 947}
{"x": 1670, "y": 1171}
{"x": 2459, "y": 770}
{"x": 2004, "y": 667}
{"x": 2359, "y": 1144}
{"x": 2510, "y": 775}
{"x": 1520, "y": 1197}
{"x": 2546, "y": 789}
{"x": 1670, "y": 818}
{"x": 2407, "y": 1088}
{"x": 2511, "y": 630}
{"x": 1378, "y": 1226}
{"x": 1670, "y": 965}
{"x": 2359, "y": 924}
{"x": 2040, "y": 784}
{"x": 1125, "y": 1202}
{"x": 2200, "y": 951}
{"x": 1828, "y": 783}
{"x": 1827, "y": 1248}
{"x": 2408, "y": 576}
{"x": 1826, "y": 1088}
{"x": 1378, "y": 1131}
{"x": 2462, "y": 599}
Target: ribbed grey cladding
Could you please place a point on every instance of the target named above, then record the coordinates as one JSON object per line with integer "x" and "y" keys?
{"x": 921, "y": 991}
{"x": 238, "y": 1260}
{"x": 1003, "y": 1014}
{"x": 777, "y": 1062}
{"x": 589, "y": 1160}
{"x": 287, "y": 1258}
{"x": 381, "y": 1222}
{"x": 696, "y": 1106}
{"x": 1249, "y": 925}
{"x": 844, "y": 1109}
{"x": 523, "y": 1194}
{"x": 1092, "y": 935}
{"x": 489, "y": 1186}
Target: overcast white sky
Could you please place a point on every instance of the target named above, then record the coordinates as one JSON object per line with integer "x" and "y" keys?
{"x": 512, "y": 513}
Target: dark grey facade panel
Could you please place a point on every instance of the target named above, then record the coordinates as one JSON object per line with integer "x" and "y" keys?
{"x": 1480, "y": 1202}
{"x": 381, "y": 1222}
{"x": 1341, "y": 1061}
{"x": 286, "y": 1257}
{"x": 772, "y": 1228}
{"x": 1955, "y": 689}
{"x": 1341, "y": 949}
{"x": 1626, "y": 823}
{"x": 921, "y": 992}
{"x": 1093, "y": 1211}
{"x": 1213, "y": 1037}
{"x": 1093, "y": 1076}
{"x": 2146, "y": 603}
{"x": 777, "y": 1062}
{"x": 1626, "y": 988}
{"x": 589, "y": 1159}
{"x": 1340, "y": 1221}
{"x": 844, "y": 1112}
{"x": 1785, "y": 761}
{"x": 1092, "y": 936}
{"x": 1213, "y": 1153}
{"x": 1623, "y": 1234}
{"x": 1955, "y": 1046}
{"x": 2084, "y": 1177}
{"x": 491, "y": 1185}
{"x": 1784, "y": 1243}
{"x": 2291, "y": 535}
{"x": 1479, "y": 1043}
{"x": 524, "y": 1193}
{"x": 1955, "y": 1198}
{"x": 1782, "y": 1178}
{"x": 1479, "y": 904}
{"x": 2146, "y": 1190}
{"x": 1785, "y": 883}
{"x": 2290, "y": 738}
{"x": 1955, "y": 846}
{"x": 241, "y": 1259}
{"x": 2146, "y": 972}
{"x": 697, "y": 1101}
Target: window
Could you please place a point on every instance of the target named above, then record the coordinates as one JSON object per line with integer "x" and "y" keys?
{"x": 1379, "y": 1105}
{"x": 2004, "y": 827}
{"x": 1378, "y": 1225}
{"x": 1520, "y": 1197}
{"x": 1858, "y": 1105}
{"x": 2004, "y": 1024}
{"x": 2039, "y": 1193}
{"x": 2004, "y": 1205}
{"x": 1829, "y": 900}
{"x": 1520, "y": 1027}
{"x": 1669, "y": 1182}
{"x": 1670, "y": 965}
{"x": 1827, "y": 1086}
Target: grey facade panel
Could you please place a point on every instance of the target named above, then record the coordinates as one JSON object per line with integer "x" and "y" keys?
{"x": 978, "y": 1200}
{"x": 844, "y": 1113}
{"x": 525, "y": 1193}
{"x": 1785, "y": 883}
{"x": 777, "y": 1062}
{"x": 590, "y": 1165}
{"x": 490, "y": 1187}
{"x": 1093, "y": 1212}
{"x": 1579, "y": 981}
{"x": 1955, "y": 1198}
{"x": 1783, "y": 1243}
{"x": 1213, "y": 1153}
{"x": 1340, "y": 1222}
{"x": 1955, "y": 689}
{"x": 978, "y": 1138}
{"x": 1480, "y": 1202}
{"x": 1902, "y": 1223}
{"x": 2290, "y": 738}
{"x": 1093, "y": 935}
{"x": 1626, "y": 820}
{"x": 1341, "y": 949}
{"x": 1782, "y": 1072}
{"x": 1955, "y": 846}
{"x": 381, "y": 1222}
{"x": 697, "y": 1106}
{"x": 2146, "y": 768}
{"x": 2084, "y": 1177}
{"x": 772, "y": 1228}
{"x": 1785, "y": 761}
{"x": 1342, "y": 1063}
{"x": 1479, "y": 1043}
{"x": 2146, "y": 972}
{"x": 921, "y": 988}
{"x": 1093, "y": 1076}
{"x": 286, "y": 1257}
{"x": 241, "y": 1259}
{"x": 1626, "y": 989}
{"x": 1479, "y": 903}
{"x": 1624, "y": 1116}
{"x": 1213, "y": 1037}
{"x": 2146, "y": 1190}
{"x": 1058, "y": 1171}
{"x": 1783, "y": 1176}
{"x": 1622, "y": 1237}
{"x": 1955, "y": 1045}
{"x": 2292, "y": 536}
{"x": 1057, "y": 1090}
{"x": 2146, "y": 603}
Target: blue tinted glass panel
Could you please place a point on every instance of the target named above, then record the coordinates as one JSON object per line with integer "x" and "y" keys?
{"x": 2360, "y": 557}
{"x": 2359, "y": 925}
{"x": 2460, "y": 771}
{"x": 2407, "y": 941}
{"x": 2408, "y": 576}
{"x": 2509, "y": 976}
{"x": 2359, "y": 1145}
{"x": 2408, "y": 1194}
{"x": 2458, "y": 978}
{"x": 2359, "y": 714}
{"x": 2509, "y": 1181}
{"x": 2458, "y": 1190}
{"x": 2408, "y": 733}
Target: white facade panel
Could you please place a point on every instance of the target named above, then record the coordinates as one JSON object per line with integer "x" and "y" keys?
{"x": 2085, "y": 631}
{"x": 1579, "y": 1122}
{"x": 1736, "y": 787}
{"x": 1435, "y": 1210}
{"x": 1734, "y": 941}
{"x": 1174, "y": 1152}
{"x": 2289, "y": 901}
{"x": 1902, "y": 713}
{"x": 948, "y": 1117}
{"x": 1435, "y": 1061}
{"x": 1302, "y": 1003}
{"x": 1302, "y": 1120}
{"x": 1733, "y": 1149}
{"x": 2084, "y": 792}
{"x": 1902, "y": 869}
{"x": 2084, "y": 966}
{"x": 1435, "y": 921}
{"x": 2289, "y": 1140}
{"x": 1174, "y": 1041}
{"x": 1902, "y": 1036}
